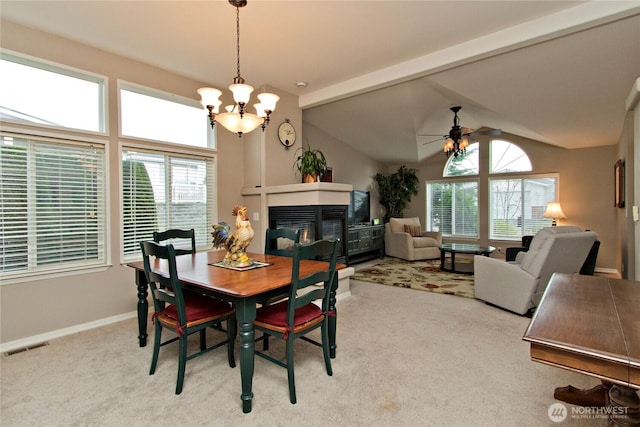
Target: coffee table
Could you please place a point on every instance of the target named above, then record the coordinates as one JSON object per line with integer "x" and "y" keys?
{"x": 462, "y": 248}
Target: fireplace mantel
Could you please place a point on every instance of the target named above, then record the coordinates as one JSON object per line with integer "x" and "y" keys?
{"x": 316, "y": 193}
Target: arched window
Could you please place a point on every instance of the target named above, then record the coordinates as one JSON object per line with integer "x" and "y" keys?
{"x": 466, "y": 164}
{"x": 516, "y": 197}
{"x": 507, "y": 157}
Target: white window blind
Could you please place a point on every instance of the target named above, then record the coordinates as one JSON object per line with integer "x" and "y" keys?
{"x": 162, "y": 191}
{"x": 452, "y": 208}
{"x": 52, "y": 205}
{"x": 517, "y": 205}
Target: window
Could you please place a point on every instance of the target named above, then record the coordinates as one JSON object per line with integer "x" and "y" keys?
{"x": 468, "y": 164}
{"x": 162, "y": 191}
{"x": 517, "y": 205}
{"x": 452, "y": 208}
{"x": 44, "y": 94}
{"x": 154, "y": 115}
{"x": 507, "y": 157}
{"x": 52, "y": 205}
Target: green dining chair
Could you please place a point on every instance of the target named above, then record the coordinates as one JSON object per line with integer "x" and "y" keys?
{"x": 183, "y": 312}
{"x": 296, "y": 316}
{"x": 272, "y": 247}
{"x": 177, "y": 238}
{"x": 271, "y": 241}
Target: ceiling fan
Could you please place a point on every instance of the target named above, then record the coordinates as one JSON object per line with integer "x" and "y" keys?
{"x": 457, "y": 140}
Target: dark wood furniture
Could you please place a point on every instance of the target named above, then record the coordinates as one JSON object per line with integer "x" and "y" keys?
{"x": 297, "y": 316}
{"x": 243, "y": 288}
{"x": 589, "y": 324}
{"x": 183, "y": 313}
{"x": 187, "y": 237}
{"x": 365, "y": 242}
{"x": 462, "y": 248}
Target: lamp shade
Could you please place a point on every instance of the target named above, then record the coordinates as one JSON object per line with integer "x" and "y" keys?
{"x": 268, "y": 100}
{"x": 234, "y": 123}
{"x": 241, "y": 92}
{"x": 210, "y": 96}
{"x": 554, "y": 211}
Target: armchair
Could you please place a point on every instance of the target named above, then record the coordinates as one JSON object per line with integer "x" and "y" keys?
{"x": 403, "y": 238}
{"x": 518, "y": 286}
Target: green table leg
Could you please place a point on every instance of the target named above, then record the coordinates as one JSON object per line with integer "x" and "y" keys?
{"x": 246, "y": 314}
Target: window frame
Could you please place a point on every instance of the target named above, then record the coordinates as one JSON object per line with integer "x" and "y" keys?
{"x": 53, "y": 67}
{"x": 54, "y": 272}
{"x": 453, "y": 180}
{"x": 165, "y": 96}
{"x": 522, "y": 177}
{"x": 171, "y": 150}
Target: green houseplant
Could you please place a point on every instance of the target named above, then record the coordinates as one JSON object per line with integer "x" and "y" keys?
{"x": 310, "y": 164}
{"x": 395, "y": 190}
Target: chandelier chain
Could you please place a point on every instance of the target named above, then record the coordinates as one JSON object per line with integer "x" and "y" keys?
{"x": 238, "y": 38}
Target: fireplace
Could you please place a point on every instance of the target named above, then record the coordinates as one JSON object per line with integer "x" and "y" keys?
{"x": 315, "y": 222}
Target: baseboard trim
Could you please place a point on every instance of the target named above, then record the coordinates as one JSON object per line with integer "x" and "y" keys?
{"x": 40, "y": 338}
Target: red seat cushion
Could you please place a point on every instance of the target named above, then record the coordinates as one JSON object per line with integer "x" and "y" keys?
{"x": 277, "y": 314}
{"x": 198, "y": 307}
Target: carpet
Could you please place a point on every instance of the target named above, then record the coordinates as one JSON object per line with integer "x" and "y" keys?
{"x": 422, "y": 275}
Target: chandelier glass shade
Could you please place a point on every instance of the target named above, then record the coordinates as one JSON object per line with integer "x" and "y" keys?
{"x": 236, "y": 118}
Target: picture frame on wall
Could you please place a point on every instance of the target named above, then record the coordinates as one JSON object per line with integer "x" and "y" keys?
{"x": 618, "y": 172}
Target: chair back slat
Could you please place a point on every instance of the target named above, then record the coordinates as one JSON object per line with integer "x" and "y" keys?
{"x": 164, "y": 289}
{"x": 321, "y": 249}
{"x": 271, "y": 241}
{"x": 176, "y": 237}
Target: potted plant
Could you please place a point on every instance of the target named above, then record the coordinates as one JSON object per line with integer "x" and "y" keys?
{"x": 395, "y": 190}
{"x": 311, "y": 164}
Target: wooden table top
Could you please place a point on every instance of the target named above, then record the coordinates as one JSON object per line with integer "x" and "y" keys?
{"x": 591, "y": 325}
{"x": 196, "y": 270}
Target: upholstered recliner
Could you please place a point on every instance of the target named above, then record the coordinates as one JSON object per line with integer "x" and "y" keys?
{"x": 518, "y": 286}
{"x": 404, "y": 238}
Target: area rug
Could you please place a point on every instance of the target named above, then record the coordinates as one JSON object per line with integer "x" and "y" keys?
{"x": 421, "y": 275}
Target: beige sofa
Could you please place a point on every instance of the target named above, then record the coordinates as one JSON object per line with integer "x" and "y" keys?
{"x": 400, "y": 244}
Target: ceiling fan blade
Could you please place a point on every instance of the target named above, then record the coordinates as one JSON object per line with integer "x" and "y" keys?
{"x": 431, "y": 142}
{"x": 492, "y": 132}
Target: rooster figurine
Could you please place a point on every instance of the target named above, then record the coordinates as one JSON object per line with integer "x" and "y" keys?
{"x": 237, "y": 242}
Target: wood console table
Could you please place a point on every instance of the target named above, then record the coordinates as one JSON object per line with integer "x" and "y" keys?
{"x": 591, "y": 325}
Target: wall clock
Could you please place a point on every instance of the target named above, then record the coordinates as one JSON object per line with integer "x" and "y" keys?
{"x": 287, "y": 134}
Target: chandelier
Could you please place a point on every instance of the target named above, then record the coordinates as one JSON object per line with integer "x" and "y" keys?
{"x": 236, "y": 118}
{"x": 457, "y": 142}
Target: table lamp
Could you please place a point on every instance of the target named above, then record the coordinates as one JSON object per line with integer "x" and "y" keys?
{"x": 554, "y": 211}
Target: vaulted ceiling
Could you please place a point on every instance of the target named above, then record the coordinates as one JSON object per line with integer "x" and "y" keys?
{"x": 382, "y": 73}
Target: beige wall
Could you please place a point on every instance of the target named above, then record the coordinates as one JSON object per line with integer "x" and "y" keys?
{"x": 348, "y": 165}
{"x": 49, "y": 304}
{"x": 586, "y": 190}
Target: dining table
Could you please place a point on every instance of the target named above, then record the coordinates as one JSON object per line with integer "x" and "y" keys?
{"x": 270, "y": 276}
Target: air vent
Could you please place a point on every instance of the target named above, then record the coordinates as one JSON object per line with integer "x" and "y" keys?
{"x": 23, "y": 349}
